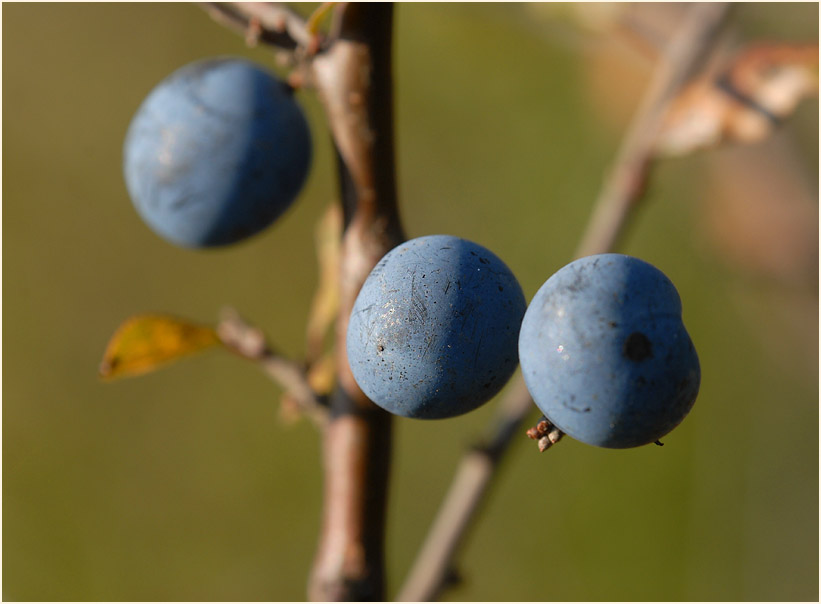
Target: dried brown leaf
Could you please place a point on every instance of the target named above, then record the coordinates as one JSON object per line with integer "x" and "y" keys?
{"x": 743, "y": 102}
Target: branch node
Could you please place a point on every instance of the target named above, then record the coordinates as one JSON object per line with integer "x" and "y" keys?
{"x": 239, "y": 336}
{"x": 249, "y": 342}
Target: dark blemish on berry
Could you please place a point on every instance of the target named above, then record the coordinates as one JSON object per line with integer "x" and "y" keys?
{"x": 637, "y": 347}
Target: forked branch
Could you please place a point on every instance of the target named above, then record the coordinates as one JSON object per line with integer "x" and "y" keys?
{"x": 270, "y": 23}
{"x": 249, "y": 342}
{"x": 625, "y": 184}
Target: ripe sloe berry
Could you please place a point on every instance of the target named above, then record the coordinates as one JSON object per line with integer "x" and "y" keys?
{"x": 434, "y": 330}
{"x": 605, "y": 354}
{"x": 216, "y": 153}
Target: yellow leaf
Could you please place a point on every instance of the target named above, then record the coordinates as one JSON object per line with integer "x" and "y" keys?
{"x": 322, "y": 374}
{"x": 325, "y": 304}
{"x": 144, "y": 342}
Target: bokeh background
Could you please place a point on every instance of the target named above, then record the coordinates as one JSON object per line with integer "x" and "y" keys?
{"x": 186, "y": 485}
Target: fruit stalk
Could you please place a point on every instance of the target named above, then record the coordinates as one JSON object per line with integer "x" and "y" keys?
{"x": 354, "y": 81}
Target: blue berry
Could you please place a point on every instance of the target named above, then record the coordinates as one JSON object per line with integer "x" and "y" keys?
{"x": 434, "y": 330}
{"x": 216, "y": 153}
{"x": 605, "y": 354}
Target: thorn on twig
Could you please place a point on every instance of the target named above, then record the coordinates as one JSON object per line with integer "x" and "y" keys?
{"x": 659, "y": 443}
{"x": 545, "y": 433}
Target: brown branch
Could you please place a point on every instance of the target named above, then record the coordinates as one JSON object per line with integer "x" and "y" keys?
{"x": 625, "y": 183}
{"x": 249, "y": 342}
{"x": 354, "y": 81}
{"x": 621, "y": 192}
{"x": 459, "y": 510}
{"x": 352, "y": 75}
{"x": 270, "y": 23}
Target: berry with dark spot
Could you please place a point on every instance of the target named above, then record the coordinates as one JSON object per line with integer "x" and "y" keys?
{"x": 605, "y": 354}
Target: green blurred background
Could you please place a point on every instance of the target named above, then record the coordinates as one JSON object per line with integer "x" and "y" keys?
{"x": 185, "y": 485}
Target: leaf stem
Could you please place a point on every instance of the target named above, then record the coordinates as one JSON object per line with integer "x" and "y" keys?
{"x": 248, "y": 342}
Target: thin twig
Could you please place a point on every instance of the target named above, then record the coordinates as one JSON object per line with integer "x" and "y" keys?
{"x": 625, "y": 183}
{"x": 275, "y": 23}
{"x": 249, "y": 342}
{"x": 432, "y": 566}
{"x": 428, "y": 576}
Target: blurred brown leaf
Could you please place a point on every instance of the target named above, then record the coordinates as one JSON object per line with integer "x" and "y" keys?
{"x": 744, "y": 101}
